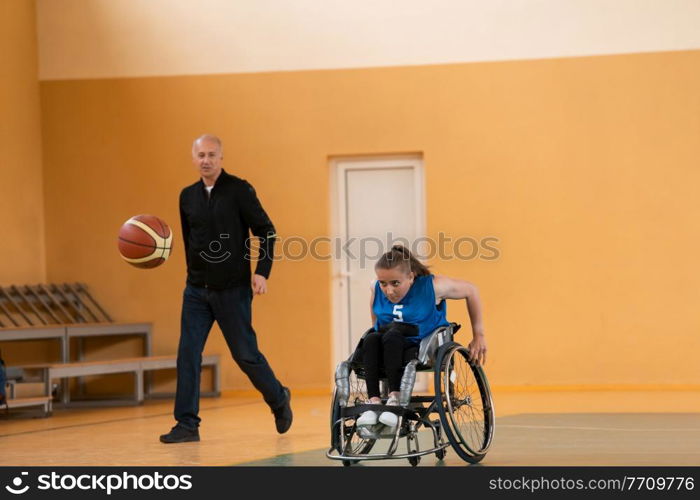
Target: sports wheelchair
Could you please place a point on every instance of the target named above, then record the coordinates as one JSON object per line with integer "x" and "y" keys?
{"x": 462, "y": 400}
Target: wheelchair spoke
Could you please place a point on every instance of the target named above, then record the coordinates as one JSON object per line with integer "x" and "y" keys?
{"x": 466, "y": 412}
{"x": 355, "y": 444}
{"x": 465, "y": 403}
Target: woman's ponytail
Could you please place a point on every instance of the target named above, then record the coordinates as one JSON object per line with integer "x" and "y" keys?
{"x": 400, "y": 256}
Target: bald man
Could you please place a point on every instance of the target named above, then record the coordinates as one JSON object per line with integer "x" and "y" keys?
{"x": 217, "y": 214}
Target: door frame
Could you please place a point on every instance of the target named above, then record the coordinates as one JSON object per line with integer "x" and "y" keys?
{"x": 339, "y": 283}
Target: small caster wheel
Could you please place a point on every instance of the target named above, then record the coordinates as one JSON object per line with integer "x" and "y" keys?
{"x": 347, "y": 463}
{"x": 414, "y": 461}
{"x": 440, "y": 454}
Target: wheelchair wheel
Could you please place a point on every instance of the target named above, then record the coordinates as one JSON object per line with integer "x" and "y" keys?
{"x": 354, "y": 444}
{"x": 464, "y": 402}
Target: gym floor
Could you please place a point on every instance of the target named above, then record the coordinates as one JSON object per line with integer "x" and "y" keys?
{"x": 532, "y": 428}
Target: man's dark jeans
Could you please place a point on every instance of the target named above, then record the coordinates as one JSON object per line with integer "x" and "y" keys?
{"x": 231, "y": 309}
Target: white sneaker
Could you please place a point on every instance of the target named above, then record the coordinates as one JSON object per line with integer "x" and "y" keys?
{"x": 367, "y": 418}
{"x": 387, "y": 418}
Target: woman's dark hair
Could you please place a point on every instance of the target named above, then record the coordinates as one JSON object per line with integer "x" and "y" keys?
{"x": 400, "y": 256}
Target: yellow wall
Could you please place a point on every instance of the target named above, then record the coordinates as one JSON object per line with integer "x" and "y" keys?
{"x": 584, "y": 168}
{"x": 22, "y": 251}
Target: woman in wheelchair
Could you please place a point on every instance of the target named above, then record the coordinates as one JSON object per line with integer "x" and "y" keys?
{"x": 407, "y": 304}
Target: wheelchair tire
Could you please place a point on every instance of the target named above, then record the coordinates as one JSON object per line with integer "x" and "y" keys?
{"x": 354, "y": 444}
{"x": 464, "y": 402}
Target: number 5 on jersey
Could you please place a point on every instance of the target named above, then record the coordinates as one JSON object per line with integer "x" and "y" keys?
{"x": 398, "y": 314}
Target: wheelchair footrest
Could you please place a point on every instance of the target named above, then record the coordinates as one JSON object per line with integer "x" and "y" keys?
{"x": 356, "y": 411}
{"x": 378, "y": 431}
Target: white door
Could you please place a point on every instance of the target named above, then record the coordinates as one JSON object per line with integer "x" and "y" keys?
{"x": 376, "y": 202}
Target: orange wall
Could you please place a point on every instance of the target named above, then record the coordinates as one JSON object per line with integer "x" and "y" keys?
{"x": 22, "y": 250}
{"x": 584, "y": 168}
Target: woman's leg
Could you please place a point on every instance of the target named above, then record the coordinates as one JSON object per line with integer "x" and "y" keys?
{"x": 393, "y": 346}
{"x": 395, "y": 349}
{"x": 371, "y": 359}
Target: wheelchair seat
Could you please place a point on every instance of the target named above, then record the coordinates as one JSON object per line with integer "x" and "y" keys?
{"x": 427, "y": 349}
{"x": 430, "y": 345}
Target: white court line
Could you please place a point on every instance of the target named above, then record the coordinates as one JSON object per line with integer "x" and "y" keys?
{"x": 548, "y": 453}
{"x": 592, "y": 428}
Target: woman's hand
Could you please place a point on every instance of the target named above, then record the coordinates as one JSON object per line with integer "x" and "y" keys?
{"x": 477, "y": 349}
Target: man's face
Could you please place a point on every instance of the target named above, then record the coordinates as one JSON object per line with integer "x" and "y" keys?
{"x": 207, "y": 157}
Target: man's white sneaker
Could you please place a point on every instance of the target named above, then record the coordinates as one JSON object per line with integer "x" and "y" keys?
{"x": 387, "y": 418}
{"x": 367, "y": 418}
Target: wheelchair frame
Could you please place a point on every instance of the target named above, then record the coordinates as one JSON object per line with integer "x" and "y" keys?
{"x": 440, "y": 354}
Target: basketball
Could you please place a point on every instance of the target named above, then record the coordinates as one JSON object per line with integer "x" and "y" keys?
{"x": 145, "y": 241}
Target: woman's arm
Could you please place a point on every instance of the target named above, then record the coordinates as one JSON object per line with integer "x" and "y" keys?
{"x": 371, "y": 309}
{"x": 451, "y": 288}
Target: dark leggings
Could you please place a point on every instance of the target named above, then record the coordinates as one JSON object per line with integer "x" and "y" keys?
{"x": 390, "y": 347}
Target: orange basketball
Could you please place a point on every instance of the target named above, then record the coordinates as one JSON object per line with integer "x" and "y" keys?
{"x": 145, "y": 241}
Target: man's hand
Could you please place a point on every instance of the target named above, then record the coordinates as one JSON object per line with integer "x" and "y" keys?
{"x": 259, "y": 284}
{"x": 477, "y": 349}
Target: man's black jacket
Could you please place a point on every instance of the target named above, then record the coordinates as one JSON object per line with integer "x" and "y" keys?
{"x": 216, "y": 228}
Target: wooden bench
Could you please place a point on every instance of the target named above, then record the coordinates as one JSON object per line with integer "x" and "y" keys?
{"x": 86, "y": 330}
{"x": 166, "y": 362}
{"x": 82, "y": 332}
{"x": 67, "y": 312}
{"x": 27, "y": 333}
{"x": 137, "y": 366}
{"x": 63, "y": 312}
{"x": 64, "y": 334}
{"x": 44, "y": 401}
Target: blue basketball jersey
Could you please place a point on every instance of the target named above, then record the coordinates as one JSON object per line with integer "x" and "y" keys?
{"x": 416, "y": 308}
